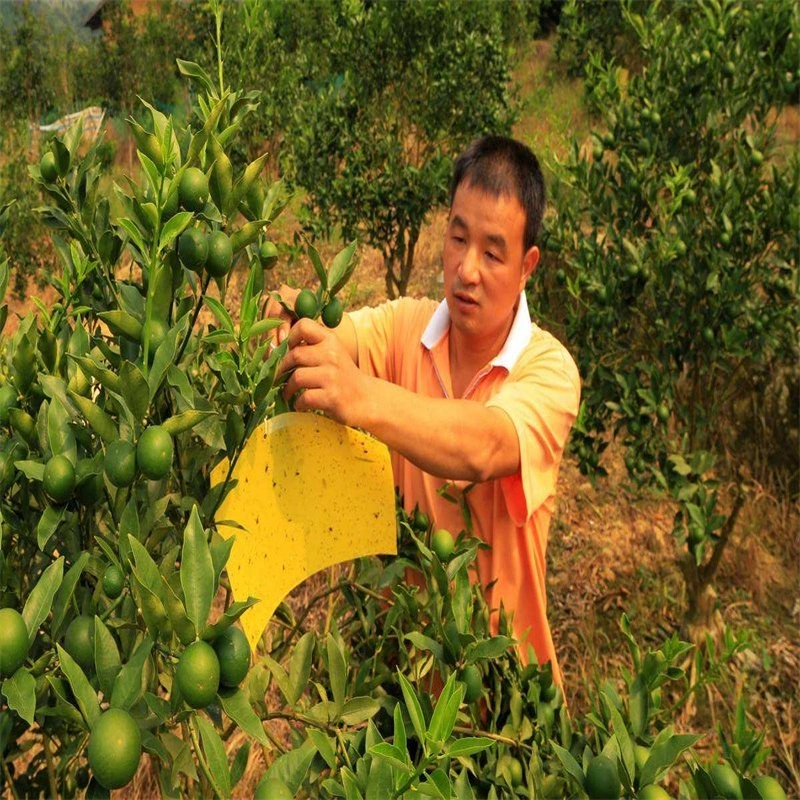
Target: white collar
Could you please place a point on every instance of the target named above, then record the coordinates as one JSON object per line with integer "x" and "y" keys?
{"x": 518, "y": 337}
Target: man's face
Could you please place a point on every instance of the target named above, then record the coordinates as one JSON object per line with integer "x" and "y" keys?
{"x": 485, "y": 263}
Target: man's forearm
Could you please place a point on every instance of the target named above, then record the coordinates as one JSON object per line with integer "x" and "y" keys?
{"x": 452, "y": 439}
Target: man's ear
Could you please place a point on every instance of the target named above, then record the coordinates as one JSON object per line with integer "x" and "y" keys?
{"x": 529, "y": 263}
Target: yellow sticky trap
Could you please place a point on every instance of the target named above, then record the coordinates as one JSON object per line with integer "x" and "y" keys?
{"x": 311, "y": 493}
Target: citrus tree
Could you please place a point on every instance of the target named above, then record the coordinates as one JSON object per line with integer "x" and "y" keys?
{"x": 404, "y": 87}
{"x": 676, "y": 236}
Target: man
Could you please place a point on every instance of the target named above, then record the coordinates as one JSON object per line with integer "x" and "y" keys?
{"x": 466, "y": 391}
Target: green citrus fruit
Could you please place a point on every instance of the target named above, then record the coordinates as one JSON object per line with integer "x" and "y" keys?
{"x": 23, "y": 423}
{"x": 421, "y": 521}
{"x": 115, "y": 747}
{"x": 193, "y": 189}
{"x": 79, "y": 640}
{"x": 663, "y": 412}
{"x": 725, "y": 781}
{"x": 120, "y": 463}
{"x": 113, "y": 581}
{"x": 442, "y": 544}
{"x": 512, "y": 767}
{"x": 708, "y": 335}
{"x": 548, "y": 692}
{"x": 154, "y": 452}
{"x": 561, "y": 277}
{"x": 272, "y": 789}
{"x": 332, "y": 312}
{"x": 48, "y": 167}
{"x": 8, "y": 400}
{"x": 756, "y": 158}
{"x": 725, "y": 238}
{"x": 13, "y": 641}
{"x": 157, "y": 330}
{"x": 197, "y": 674}
{"x": 305, "y": 304}
{"x": 640, "y": 754}
{"x": 769, "y": 788}
{"x": 268, "y": 255}
{"x": 696, "y": 534}
{"x": 470, "y": 676}
{"x": 220, "y": 254}
{"x": 193, "y": 249}
{"x": 729, "y": 68}
{"x": 653, "y": 792}
{"x": 680, "y": 247}
{"x": 59, "y": 479}
{"x": 690, "y": 197}
{"x": 602, "y": 781}
{"x": 233, "y": 652}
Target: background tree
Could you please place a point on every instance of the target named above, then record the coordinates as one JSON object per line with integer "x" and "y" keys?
{"x": 677, "y": 232}
{"x": 373, "y": 148}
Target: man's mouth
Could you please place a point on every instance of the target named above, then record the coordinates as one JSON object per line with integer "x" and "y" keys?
{"x": 465, "y": 298}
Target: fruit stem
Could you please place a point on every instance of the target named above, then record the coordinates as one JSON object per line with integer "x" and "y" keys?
{"x": 9, "y": 779}
{"x": 197, "y": 308}
{"x": 51, "y": 774}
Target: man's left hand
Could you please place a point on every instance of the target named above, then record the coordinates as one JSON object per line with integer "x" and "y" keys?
{"x": 323, "y": 374}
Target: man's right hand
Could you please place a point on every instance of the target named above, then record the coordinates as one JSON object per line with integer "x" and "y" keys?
{"x": 275, "y": 310}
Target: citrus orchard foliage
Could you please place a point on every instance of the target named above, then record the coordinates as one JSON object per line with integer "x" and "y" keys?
{"x": 677, "y": 241}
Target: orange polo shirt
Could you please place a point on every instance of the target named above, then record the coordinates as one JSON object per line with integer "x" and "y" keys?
{"x": 534, "y": 380}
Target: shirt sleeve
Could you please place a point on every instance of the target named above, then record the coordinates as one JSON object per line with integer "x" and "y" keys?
{"x": 541, "y": 396}
{"x": 385, "y": 332}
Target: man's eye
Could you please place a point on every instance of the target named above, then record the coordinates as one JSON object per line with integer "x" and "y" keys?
{"x": 458, "y": 239}
{"x": 491, "y": 256}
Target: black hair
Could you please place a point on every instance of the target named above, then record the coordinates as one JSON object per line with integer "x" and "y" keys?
{"x": 502, "y": 166}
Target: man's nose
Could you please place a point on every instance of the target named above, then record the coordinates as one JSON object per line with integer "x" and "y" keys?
{"x": 468, "y": 271}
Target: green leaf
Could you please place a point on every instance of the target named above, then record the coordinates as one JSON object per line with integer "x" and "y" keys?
{"x": 413, "y": 707}
{"x": 164, "y": 357}
{"x": 106, "y": 657}
{"x": 59, "y": 434}
{"x": 442, "y": 783}
{"x": 380, "y": 784}
{"x": 394, "y": 755}
{"x": 174, "y": 227}
{"x": 316, "y": 261}
{"x": 48, "y": 524}
{"x": 568, "y": 762}
{"x": 135, "y": 390}
{"x": 65, "y": 592}
{"x": 100, "y": 422}
{"x": 359, "y": 709}
{"x": 665, "y": 751}
{"x": 400, "y": 730}
{"x": 341, "y": 268}
{"x": 623, "y": 740}
{"x": 446, "y": 711}
{"x": 639, "y": 706}
{"x": 235, "y": 705}
{"x": 197, "y": 572}
{"x": 337, "y": 670}
{"x": 85, "y": 695}
{"x": 40, "y": 600}
{"x": 281, "y": 678}
{"x": 214, "y": 751}
{"x": 185, "y": 421}
{"x": 20, "y": 692}
{"x": 221, "y": 313}
{"x": 176, "y": 612}
{"x": 109, "y": 379}
{"x": 468, "y": 746}
{"x": 232, "y": 613}
{"x": 240, "y": 763}
{"x": 325, "y": 746}
{"x": 196, "y": 72}
{"x": 32, "y": 469}
{"x": 487, "y": 648}
{"x": 128, "y": 684}
{"x": 291, "y": 767}
{"x": 422, "y": 642}
{"x": 300, "y": 668}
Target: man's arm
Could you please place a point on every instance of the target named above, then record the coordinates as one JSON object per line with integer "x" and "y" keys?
{"x": 453, "y": 439}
